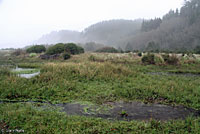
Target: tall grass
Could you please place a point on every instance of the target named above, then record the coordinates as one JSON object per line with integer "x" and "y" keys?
{"x": 87, "y": 70}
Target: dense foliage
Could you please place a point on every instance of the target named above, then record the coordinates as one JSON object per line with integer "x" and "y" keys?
{"x": 73, "y": 49}
{"x": 66, "y": 56}
{"x": 56, "y": 49}
{"x": 170, "y": 59}
{"x": 70, "y": 48}
{"x": 107, "y": 50}
{"x": 148, "y": 59}
{"x": 178, "y": 30}
{"x": 36, "y": 49}
{"x": 148, "y": 25}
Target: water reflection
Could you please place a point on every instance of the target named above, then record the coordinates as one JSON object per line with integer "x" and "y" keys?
{"x": 26, "y": 72}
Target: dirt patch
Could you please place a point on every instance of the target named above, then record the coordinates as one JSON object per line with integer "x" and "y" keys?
{"x": 122, "y": 110}
{"x": 131, "y": 111}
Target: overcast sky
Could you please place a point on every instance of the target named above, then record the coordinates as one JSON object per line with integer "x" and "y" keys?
{"x": 22, "y": 21}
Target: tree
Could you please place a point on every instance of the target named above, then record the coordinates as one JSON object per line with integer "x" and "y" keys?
{"x": 148, "y": 25}
{"x": 56, "y": 49}
{"x": 197, "y": 49}
{"x": 69, "y": 48}
{"x": 36, "y": 49}
{"x": 152, "y": 46}
{"x": 73, "y": 48}
{"x": 107, "y": 50}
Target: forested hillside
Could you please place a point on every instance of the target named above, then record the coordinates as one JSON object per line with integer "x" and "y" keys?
{"x": 178, "y": 30}
{"x": 107, "y": 32}
{"x": 111, "y": 32}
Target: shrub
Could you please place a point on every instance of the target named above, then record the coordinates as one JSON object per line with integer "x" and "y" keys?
{"x": 66, "y": 56}
{"x": 140, "y": 54}
{"x": 73, "y": 49}
{"x": 56, "y": 49}
{"x": 158, "y": 60}
{"x": 92, "y": 58}
{"x": 171, "y": 60}
{"x": 107, "y": 50}
{"x": 70, "y": 48}
{"x": 36, "y": 49}
{"x": 80, "y": 50}
{"x": 148, "y": 59}
{"x": 32, "y": 54}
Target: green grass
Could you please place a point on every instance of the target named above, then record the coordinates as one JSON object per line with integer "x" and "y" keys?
{"x": 99, "y": 83}
{"x": 109, "y": 77}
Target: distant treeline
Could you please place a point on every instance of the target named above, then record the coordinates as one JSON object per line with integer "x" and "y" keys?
{"x": 176, "y": 31}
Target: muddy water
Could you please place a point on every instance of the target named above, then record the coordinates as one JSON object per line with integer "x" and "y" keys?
{"x": 124, "y": 111}
{"x": 132, "y": 111}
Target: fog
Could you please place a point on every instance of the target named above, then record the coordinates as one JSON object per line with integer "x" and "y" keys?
{"x": 23, "y": 21}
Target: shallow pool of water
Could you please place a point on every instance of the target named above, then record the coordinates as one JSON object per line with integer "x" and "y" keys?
{"x": 26, "y": 72}
{"x": 28, "y": 75}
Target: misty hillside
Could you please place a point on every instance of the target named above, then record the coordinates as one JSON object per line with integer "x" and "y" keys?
{"x": 177, "y": 30}
{"x": 106, "y": 32}
{"x": 62, "y": 36}
{"x": 111, "y": 32}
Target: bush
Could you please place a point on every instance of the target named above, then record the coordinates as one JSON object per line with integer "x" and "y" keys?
{"x": 107, "y": 50}
{"x": 140, "y": 54}
{"x": 148, "y": 59}
{"x": 158, "y": 60}
{"x": 171, "y": 60}
{"x": 91, "y": 58}
{"x": 80, "y": 50}
{"x": 70, "y": 48}
{"x": 73, "y": 49}
{"x": 56, "y": 49}
{"x": 66, "y": 56}
{"x": 32, "y": 54}
{"x": 36, "y": 49}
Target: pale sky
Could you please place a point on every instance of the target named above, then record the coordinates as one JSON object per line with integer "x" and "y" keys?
{"x": 23, "y": 21}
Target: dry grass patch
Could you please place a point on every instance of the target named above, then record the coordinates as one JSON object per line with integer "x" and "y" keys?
{"x": 87, "y": 70}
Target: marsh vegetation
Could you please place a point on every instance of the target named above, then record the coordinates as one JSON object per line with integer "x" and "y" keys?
{"x": 99, "y": 81}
